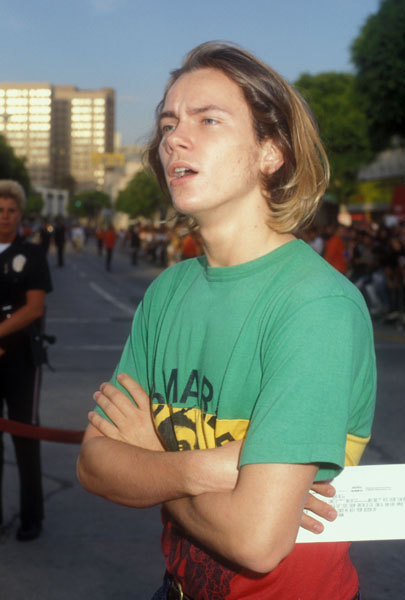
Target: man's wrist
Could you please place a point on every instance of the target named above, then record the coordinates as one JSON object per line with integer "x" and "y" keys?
{"x": 208, "y": 471}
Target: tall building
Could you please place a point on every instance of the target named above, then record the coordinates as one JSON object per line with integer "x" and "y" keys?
{"x": 26, "y": 121}
{"x": 61, "y": 130}
{"x": 83, "y": 127}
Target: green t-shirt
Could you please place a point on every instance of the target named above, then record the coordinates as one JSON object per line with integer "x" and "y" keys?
{"x": 278, "y": 350}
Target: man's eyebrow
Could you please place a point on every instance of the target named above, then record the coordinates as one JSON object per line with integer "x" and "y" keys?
{"x": 208, "y": 107}
{"x": 169, "y": 114}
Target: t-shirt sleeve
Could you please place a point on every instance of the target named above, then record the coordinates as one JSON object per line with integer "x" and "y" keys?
{"x": 318, "y": 385}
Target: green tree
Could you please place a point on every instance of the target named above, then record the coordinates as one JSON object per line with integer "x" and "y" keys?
{"x": 88, "y": 203}
{"x": 343, "y": 126}
{"x": 35, "y": 204}
{"x": 142, "y": 196}
{"x": 12, "y": 167}
{"x": 378, "y": 54}
{"x": 67, "y": 182}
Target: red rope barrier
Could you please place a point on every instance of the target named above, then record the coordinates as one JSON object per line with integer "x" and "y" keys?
{"x": 49, "y": 434}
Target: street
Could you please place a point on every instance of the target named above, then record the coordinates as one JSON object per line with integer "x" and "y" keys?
{"x": 91, "y": 548}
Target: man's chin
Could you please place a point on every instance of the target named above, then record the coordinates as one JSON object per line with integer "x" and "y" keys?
{"x": 187, "y": 206}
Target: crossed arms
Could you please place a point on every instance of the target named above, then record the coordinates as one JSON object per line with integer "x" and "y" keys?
{"x": 249, "y": 516}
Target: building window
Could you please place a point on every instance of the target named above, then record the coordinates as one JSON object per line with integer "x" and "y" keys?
{"x": 40, "y": 93}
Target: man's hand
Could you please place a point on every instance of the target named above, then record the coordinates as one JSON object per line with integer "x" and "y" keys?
{"x": 2, "y": 351}
{"x": 133, "y": 424}
{"x": 318, "y": 507}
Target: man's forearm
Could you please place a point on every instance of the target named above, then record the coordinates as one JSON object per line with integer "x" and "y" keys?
{"x": 254, "y": 525}
{"x": 136, "y": 477}
{"x": 219, "y": 522}
{"x": 129, "y": 475}
{"x": 208, "y": 519}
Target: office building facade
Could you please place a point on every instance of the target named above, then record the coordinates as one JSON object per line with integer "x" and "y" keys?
{"x": 60, "y": 130}
{"x": 26, "y": 122}
{"x": 83, "y": 128}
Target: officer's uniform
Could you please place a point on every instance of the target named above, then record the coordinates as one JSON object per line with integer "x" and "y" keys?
{"x": 23, "y": 267}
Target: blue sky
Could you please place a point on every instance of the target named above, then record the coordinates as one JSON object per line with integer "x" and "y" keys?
{"x": 131, "y": 45}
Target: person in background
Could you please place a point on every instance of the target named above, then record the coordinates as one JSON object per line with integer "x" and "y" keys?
{"x": 109, "y": 239}
{"x": 100, "y": 240}
{"x": 335, "y": 251}
{"x": 190, "y": 246}
{"x": 59, "y": 237}
{"x": 24, "y": 281}
{"x": 315, "y": 240}
{"x": 135, "y": 243}
{"x": 45, "y": 236}
{"x": 78, "y": 237}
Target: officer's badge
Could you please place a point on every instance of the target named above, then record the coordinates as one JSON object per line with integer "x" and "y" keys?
{"x": 18, "y": 263}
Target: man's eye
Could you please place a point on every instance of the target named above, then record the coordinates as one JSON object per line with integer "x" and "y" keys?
{"x": 167, "y": 128}
{"x": 209, "y": 121}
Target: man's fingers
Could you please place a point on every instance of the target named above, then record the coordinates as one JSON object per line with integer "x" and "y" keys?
{"x": 103, "y": 426}
{"x": 120, "y": 400}
{"x": 320, "y": 508}
{"x": 111, "y": 406}
{"x": 311, "y": 524}
{"x": 117, "y": 397}
{"x": 324, "y": 488}
{"x": 135, "y": 390}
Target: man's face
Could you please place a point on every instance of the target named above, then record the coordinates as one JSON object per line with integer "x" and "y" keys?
{"x": 10, "y": 218}
{"x": 208, "y": 149}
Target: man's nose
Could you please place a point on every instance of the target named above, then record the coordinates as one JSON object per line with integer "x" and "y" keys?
{"x": 180, "y": 137}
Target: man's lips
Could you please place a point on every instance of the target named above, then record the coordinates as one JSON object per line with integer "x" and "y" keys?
{"x": 180, "y": 170}
{"x": 178, "y": 181}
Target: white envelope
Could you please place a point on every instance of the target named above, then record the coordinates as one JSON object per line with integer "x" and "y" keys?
{"x": 370, "y": 501}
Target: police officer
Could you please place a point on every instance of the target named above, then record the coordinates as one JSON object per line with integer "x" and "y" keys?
{"x": 24, "y": 281}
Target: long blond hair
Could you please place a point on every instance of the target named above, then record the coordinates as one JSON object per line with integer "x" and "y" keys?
{"x": 279, "y": 112}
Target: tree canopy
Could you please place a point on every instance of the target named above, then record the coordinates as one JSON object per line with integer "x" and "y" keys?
{"x": 67, "y": 182}
{"x": 35, "y": 204}
{"x": 378, "y": 54}
{"x": 142, "y": 196}
{"x": 12, "y": 167}
{"x": 342, "y": 123}
{"x": 88, "y": 203}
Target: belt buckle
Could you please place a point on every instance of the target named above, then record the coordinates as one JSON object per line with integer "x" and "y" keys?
{"x": 179, "y": 589}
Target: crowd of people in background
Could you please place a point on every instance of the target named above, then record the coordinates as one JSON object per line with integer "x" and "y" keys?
{"x": 372, "y": 256}
{"x": 161, "y": 245}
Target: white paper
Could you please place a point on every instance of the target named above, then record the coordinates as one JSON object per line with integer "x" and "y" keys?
{"x": 370, "y": 501}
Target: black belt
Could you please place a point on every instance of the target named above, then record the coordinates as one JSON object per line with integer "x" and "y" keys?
{"x": 175, "y": 591}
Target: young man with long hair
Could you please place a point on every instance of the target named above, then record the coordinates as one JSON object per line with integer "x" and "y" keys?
{"x": 252, "y": 368}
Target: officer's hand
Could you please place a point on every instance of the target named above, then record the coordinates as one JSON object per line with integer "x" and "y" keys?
{"x": 318, "y": 507}
{"x": 133, "y": 424}
{"x": 2, "y": 351}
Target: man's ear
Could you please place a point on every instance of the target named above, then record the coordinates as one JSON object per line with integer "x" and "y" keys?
{"x": 271, "y": 158}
